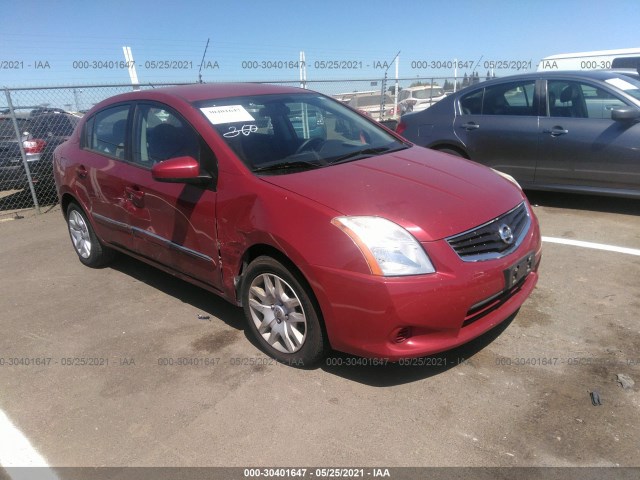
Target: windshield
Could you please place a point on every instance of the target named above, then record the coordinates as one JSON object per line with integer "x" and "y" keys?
{"x": 277, "y": 134}
{"x": 629, "y": 85}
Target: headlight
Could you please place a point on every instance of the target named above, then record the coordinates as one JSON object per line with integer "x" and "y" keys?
{"x": 508, "y": 177}
{"x": 388, "y": 248}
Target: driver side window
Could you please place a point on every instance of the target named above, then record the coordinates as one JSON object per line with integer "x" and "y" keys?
{"x": 161, "y": 134}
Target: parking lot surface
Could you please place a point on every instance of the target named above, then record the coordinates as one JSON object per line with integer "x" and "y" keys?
{"x": 117, "y": 367}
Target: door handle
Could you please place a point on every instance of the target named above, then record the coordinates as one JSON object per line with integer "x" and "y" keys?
{"x": 81, "y": 172}
{"x": 470, "y": 126}
{"x": 556, "y": 131}
{"x": 135, "y": 195}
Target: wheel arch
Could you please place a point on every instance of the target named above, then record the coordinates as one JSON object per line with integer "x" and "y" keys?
{"x": 262, "y": 249}
{"x": 66, "y": 200}
{"x": 451, "y": 146}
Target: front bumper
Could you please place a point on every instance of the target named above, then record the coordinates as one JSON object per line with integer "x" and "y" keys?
{"x": 402, "y": 317}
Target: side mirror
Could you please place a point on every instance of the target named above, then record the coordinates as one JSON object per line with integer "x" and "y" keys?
{"x": 179, "y": 170}
{"x": 625, "y": 113}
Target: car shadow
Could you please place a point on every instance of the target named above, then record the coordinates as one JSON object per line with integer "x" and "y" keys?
{"x": 366, "y": 371}
{"x": 375, "y": 373}
{"x": 628, "y": 206}
{"x": 206, "y": 302}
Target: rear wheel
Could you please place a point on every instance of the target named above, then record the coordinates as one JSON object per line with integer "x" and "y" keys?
{"x": 281, "y": 314}
{"x": 85, "y": 242}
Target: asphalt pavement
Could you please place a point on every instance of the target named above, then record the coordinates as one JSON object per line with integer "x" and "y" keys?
{"x": 114, "y": 367}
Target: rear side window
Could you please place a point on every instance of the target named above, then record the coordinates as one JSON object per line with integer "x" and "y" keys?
{"x": 471, "y": 104}
{"x": 514, "y": 98}
{"x": 509, "y": 99}
{"x": 106, "y": 131}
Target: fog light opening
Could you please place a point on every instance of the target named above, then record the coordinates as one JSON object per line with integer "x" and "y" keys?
{"x": 402, "y": 335}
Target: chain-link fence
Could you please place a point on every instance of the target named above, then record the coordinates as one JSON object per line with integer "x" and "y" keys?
{"x": 34, "y": 121}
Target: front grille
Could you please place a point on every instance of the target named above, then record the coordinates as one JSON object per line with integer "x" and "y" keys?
{"x": 493, "y": 239}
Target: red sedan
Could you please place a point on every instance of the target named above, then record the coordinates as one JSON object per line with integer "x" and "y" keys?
{"x": 329, "y": 230}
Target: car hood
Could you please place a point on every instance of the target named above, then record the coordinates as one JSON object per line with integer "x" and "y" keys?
{"x": 434, "y": 195}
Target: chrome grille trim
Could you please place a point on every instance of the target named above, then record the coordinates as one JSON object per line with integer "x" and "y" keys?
{"x": 484, "y": 243}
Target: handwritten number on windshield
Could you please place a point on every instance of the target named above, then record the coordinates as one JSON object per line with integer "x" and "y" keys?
{"x": 246, "y": 130}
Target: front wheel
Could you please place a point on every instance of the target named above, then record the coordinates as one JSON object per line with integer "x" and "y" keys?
{"x": 85, "y": 242}
{"x": 281, "y": 314}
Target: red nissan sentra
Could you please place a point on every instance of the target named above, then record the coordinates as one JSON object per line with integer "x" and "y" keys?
{"x": 329, "y": 230}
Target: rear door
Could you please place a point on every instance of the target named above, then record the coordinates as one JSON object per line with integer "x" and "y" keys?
{"x": 99, "y": 170}
{"x": 581, "y": 144}
{"x": 499, "y": 127}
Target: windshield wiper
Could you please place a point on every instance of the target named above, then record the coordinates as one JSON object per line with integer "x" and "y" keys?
{"x": 286, "y": 165}
{"x": 366, "y": 152}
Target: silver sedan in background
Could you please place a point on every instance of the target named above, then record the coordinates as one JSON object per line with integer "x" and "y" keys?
{"x": 564, "y": 131}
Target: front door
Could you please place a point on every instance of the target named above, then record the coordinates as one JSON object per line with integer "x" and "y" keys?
{"x": 173, "y": 223}
{"x": 581, "y": 145}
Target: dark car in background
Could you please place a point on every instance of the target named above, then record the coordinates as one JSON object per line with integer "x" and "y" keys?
{"x": 11, "y": 166}
{"x": 40, "y": 134}
{"x": 565, "y": 131}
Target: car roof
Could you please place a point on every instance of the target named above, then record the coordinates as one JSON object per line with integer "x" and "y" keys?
{"x": 206, "y": 91}
{"x": 599, "y": 75}
{"x": 577, "y": 74}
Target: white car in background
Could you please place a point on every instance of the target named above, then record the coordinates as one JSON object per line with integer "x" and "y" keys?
{"x": 415, "y": 99}
{"x": 371, "y": 103}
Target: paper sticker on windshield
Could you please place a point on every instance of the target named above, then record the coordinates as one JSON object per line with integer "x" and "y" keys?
{"x": 621, "y": 84}
{"x": 227, "y": 114}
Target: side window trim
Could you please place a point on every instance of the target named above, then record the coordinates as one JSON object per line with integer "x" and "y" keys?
{"x": 137, "y": 118}
{"x": 470, "y": 94}
{"x": 89, "y": 127}
{"x": 579, "y": 84}
{"x": 504, "y": 108}
{"x": 206, "y": 154}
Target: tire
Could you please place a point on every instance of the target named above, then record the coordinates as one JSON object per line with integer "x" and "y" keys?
{"x": 281, "y": 313}
{"x": 84, "y": 240}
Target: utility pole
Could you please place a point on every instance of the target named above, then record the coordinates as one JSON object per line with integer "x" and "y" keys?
{"x": 131, "y": 66}
{"x": 384, "y": 85}
{"x": 202, "y": 62}
{"x": 395, "y": 100}
{"x": 302, "y": 65}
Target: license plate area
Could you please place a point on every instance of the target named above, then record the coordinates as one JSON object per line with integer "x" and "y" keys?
{"x": 516, "y": 272}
